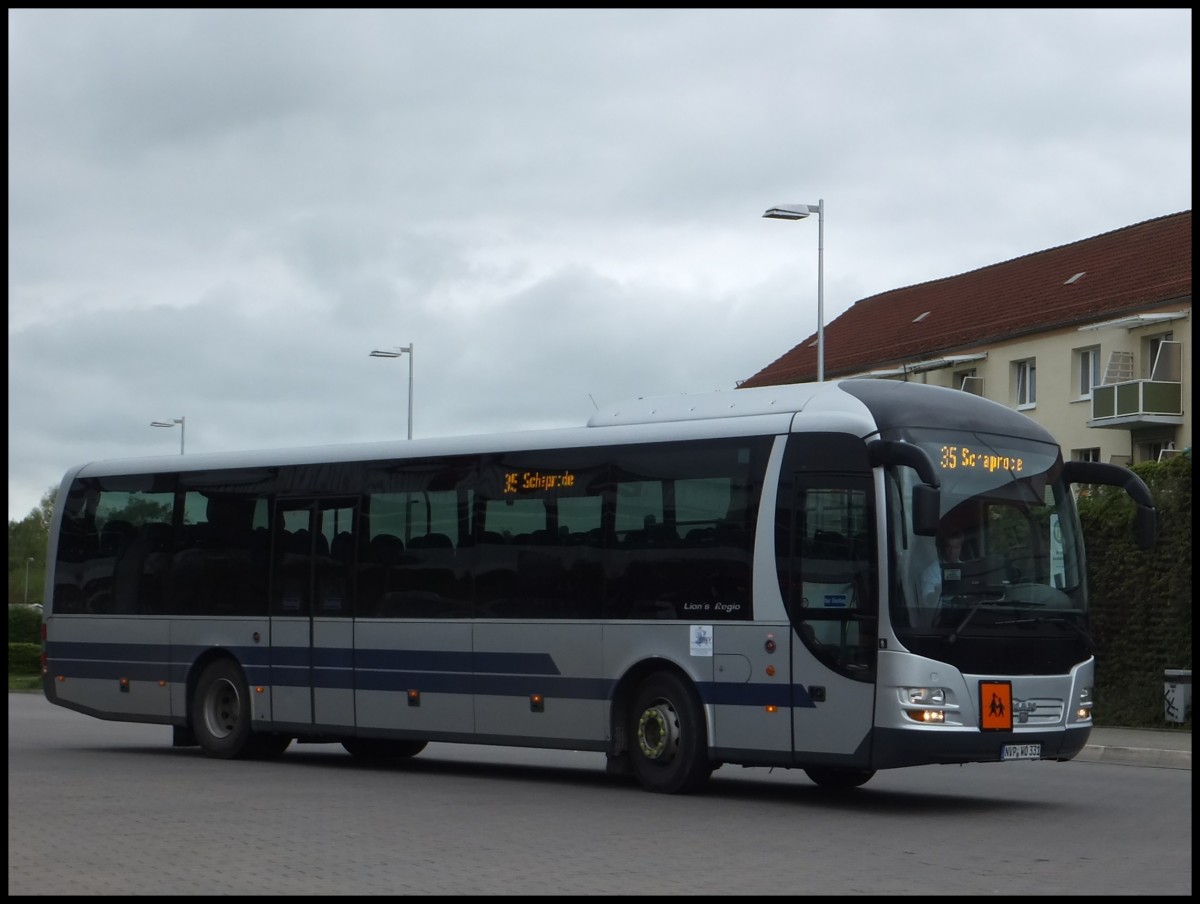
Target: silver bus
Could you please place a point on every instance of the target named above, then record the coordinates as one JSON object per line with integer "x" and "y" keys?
{"x": 686, "y": 582}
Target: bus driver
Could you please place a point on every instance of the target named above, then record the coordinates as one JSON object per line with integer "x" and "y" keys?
{"x": 949, "y": 546}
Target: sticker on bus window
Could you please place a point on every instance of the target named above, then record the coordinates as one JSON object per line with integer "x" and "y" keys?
{"x": 995, "y": 705}
{"x": 702, "y": 640}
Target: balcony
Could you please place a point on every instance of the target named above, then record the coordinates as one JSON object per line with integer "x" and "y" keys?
{"x": 1133, "y": 404}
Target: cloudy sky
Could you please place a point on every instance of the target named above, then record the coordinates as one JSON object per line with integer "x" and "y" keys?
{"x": 218, "y": 214}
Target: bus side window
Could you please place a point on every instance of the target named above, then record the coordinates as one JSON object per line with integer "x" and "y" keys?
{"x": 375, "y": 572}
{"x": 428, "y": 581}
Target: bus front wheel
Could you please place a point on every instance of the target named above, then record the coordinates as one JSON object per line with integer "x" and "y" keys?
{"x": 221, "y": 716}
{"x": 669, "y": 747}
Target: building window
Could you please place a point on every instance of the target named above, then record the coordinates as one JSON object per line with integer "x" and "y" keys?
{"x": 1085, "y": 454}
{"x": 1153, "y": 450}
{"x": 967, "y": 381}
{"x": 1026, "y": 383}
{"x": 1153, "y": 344}
{"x": 1149, "y": 444}
{"x": 1088, "y": 369}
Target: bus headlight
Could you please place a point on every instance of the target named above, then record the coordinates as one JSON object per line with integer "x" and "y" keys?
{"x": 927, "y": 716}
{"x": 924, "y": 696}
{"x": 924, "y": 704}
{"x": 1083, "y": 705}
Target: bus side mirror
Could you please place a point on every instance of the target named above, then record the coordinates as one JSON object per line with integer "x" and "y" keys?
{"x": 1145, "y": 518}
{"x": 927, "y": 504}
{"x": 926, "y": 497}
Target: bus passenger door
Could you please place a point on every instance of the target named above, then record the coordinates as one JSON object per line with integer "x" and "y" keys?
{"x": 312, "y": 628}
{"x": 829, "y": 576}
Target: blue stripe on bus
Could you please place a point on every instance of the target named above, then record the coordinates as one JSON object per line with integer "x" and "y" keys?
{"x": 523, "y": 686}
{"x": 515, "y": 663}
{"x": 320, "y": 657}
{"x": 431, "y": 671}
{"x": 414, "y": 660}
{"x": 757, "y": 694}
{"x": 426, "y": 682}
{"x": 142, "y": 652}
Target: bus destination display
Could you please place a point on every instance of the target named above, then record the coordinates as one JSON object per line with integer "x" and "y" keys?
{"x": 954, "y": 457}
{"x": 532, "y": 481}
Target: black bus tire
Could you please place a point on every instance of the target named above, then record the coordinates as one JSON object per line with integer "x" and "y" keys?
{"x": 668, "y": 736}
{"x": 221, "y": 712}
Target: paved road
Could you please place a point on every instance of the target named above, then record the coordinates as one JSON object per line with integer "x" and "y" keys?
{"x": 111, "y": 808}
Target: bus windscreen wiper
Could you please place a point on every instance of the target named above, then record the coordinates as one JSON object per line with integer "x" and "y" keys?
{"x": 1048, "y": 619}
{"x": 986, "y": 600}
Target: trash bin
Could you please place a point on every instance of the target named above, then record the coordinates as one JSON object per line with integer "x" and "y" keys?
{"x": 1177, "y": 694}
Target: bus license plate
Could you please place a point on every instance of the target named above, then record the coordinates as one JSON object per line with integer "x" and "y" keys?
{"x": 1021, "y": 752}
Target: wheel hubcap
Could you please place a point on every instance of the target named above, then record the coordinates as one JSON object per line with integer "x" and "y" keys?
{"x": 658, "y": 732}
{"x": 224, "y": 707}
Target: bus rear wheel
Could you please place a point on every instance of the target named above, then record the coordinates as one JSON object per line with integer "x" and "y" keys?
{"x": 382, "y": 748}
{"x": 669, "y": 747}
{"x": 221, "y": 716}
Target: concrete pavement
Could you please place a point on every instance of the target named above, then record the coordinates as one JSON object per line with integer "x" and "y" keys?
{"x": 1166, "y": 748}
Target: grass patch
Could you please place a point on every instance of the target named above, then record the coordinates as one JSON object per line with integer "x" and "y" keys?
{"x": 24, "y": 682}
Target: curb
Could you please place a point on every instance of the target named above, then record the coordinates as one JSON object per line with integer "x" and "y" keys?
{"x": 1135, "y": 756}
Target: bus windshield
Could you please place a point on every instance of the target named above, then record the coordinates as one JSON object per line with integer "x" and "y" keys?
{"x": 1007, "y": 541}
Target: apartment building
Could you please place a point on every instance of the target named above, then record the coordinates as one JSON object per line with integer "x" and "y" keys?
{"x": 1092, "y": 340}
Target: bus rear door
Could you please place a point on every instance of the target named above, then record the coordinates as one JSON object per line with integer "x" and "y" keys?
{"x": 312, "y": 629}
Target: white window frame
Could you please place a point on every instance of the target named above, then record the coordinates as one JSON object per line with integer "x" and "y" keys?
{"x": 1026, "y": 383}
{"x": 1152, "y": 346}
{"x": 1087, "y": 370}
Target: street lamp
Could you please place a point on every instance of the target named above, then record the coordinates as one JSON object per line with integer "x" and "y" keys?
{"x": 28, "y": 562}
{"x": 181, "y": 421}
{"x": 799, "y": 212}
{"x": 396, "y": 353}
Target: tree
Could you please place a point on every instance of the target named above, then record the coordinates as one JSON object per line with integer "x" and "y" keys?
{"x": 27, "y": 540}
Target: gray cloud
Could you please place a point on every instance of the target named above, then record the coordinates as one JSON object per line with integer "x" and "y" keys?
{"x": 218, "y": 213}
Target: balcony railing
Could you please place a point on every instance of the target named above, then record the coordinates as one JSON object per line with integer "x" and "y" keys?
{"x": 1135, "y": 402}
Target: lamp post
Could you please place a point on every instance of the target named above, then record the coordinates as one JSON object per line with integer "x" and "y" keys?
{"x": 181, "y": 421}
{"x": 396, "y": 353}
{"x": 28, "y": 562}
{"x": 799, "y": 212}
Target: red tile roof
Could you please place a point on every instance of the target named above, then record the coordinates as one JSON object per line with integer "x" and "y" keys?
{"x": 1130, "y": 270}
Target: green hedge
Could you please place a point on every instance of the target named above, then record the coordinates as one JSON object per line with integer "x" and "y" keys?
{"x": 1141, "y": 600}
{"x": 24, "y": 640}
{"x": 24, "y": 658}
{"x": 24, "y": 624}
